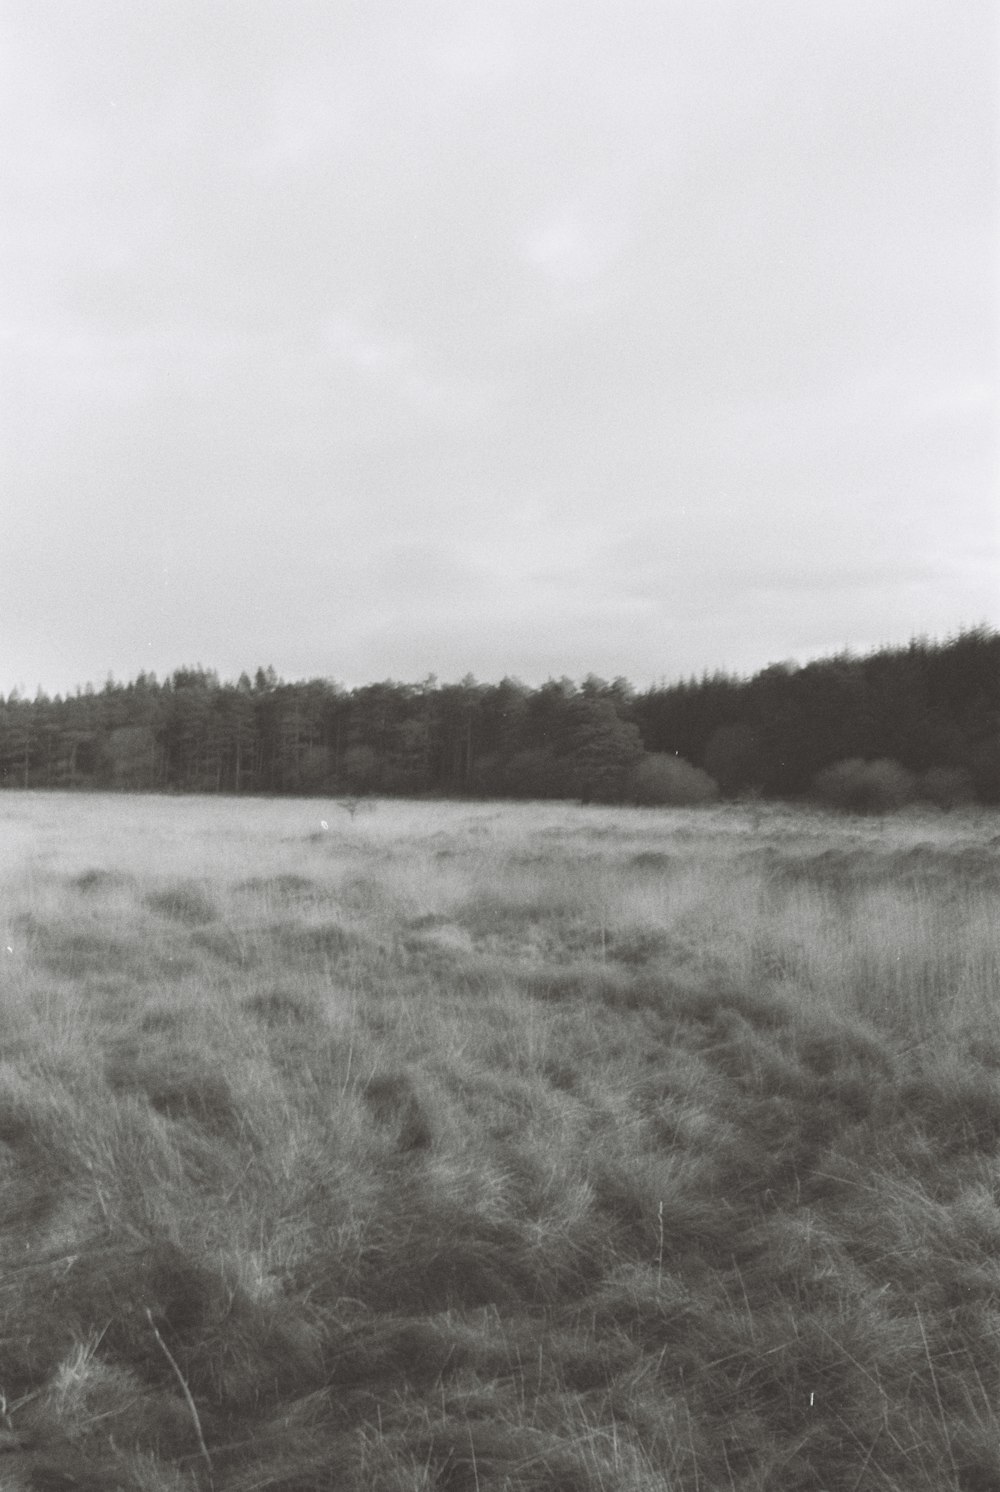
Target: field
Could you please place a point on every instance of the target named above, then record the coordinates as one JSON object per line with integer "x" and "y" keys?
{"x": 497, "y": 1147}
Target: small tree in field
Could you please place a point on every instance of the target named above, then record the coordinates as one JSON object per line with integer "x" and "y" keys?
{"x": 662, "y": 779}
{"x": 604, "y": 750}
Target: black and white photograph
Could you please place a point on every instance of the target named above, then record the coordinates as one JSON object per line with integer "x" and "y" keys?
{"x": 499, "y": 746}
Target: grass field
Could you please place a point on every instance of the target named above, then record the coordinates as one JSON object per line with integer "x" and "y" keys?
{"x": 492, "y": 1148}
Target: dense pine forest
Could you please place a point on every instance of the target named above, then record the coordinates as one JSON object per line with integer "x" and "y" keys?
{"x": 872, "y": 732}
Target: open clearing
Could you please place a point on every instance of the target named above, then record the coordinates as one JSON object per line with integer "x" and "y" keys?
{"x": 497, "y": 1147}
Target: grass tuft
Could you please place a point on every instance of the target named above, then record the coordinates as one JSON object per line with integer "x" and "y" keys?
{"x": 183, "y": 901}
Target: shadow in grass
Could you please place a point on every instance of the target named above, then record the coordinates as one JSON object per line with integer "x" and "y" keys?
{"x": 441, "y": 1272}
{"x": 288, "y": 886}
{"x": 225, "y": 945}
{"x": 74, "y": 953}
{"x": 587, "y": 983}
{"x": 637, "y": 946}
{"x": 164, "y": 1018}
{"x": 388, "y": 1352}
{"x": 722, "y": 1009}
{"x": 236, "y": 1352}
{"x": 96, "y": 880}
{"x": 314, "y": 940}
{"x": 426, "y": 1253}
{"x": 961, "y": 1115}
{"x": 30, "y": 1197}
{"x": 86, "y": 1424}
{"x": 179, "y": 1084}
{"x": 369, "y": 896}
{"x": 652, "y": 860}
{"x": 470, "y": 1455}
{"x": 397, "y": 1107}
{"x": 279, "y": 1007}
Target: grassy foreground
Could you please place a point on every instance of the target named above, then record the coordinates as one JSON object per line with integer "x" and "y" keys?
{"x": 497, "y": 1148}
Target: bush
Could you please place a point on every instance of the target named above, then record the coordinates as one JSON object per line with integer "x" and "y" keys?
{"x": 856, "y": 786}
{"x": 948, "y": 787}
{"x": 661, "y": 778}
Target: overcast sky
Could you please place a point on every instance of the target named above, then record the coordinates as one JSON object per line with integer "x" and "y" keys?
{"x": 380, "y": 338}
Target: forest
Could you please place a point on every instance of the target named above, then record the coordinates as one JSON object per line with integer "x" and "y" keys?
{"x": 859, "y": 732}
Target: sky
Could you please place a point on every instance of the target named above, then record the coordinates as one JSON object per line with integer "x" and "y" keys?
{"x": 386, "y": 338}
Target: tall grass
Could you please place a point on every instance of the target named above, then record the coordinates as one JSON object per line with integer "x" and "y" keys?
{"x": 467, "y": 1147}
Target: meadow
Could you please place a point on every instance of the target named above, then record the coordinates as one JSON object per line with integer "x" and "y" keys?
{"x": 490, "y": 1148}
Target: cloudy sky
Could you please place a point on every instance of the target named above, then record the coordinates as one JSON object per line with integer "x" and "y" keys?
{"x": 380, "y": 338}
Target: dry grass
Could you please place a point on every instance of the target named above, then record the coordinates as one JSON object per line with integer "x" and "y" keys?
{"x": 478, "y": 1147}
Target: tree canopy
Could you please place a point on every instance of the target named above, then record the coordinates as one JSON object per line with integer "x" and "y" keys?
{"x": 931, "y": 708}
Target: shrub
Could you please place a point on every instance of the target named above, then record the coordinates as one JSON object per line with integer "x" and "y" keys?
{"x": 661, "y": 778}
{"x": 856, "y": 786}
{"x": 948, "y": 787}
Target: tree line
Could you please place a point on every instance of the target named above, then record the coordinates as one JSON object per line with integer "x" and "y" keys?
{"x": 923, "y": 720}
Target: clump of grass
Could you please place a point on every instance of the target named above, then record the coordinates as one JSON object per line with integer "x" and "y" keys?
{"x": 330, "y": 939}
{"x": 96, "y": 880}
{"x": 181, "y": 1086}
{"x": 229, "y": 947}
{"x": 75, "y": 952}
{"x": 396, "y": 1105}
{"x": 89, "y": 1404}
{"x": 183, "y": 901}
{"x": 281, "y": 1007}
{"x": 287, "y": 885}
{"x": 657, "y": 861}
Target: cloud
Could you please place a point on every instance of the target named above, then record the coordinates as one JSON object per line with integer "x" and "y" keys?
{"x": 448, "y": 328}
